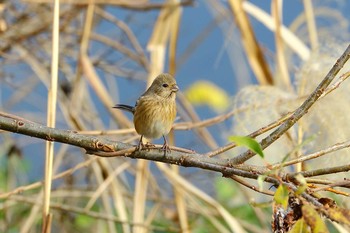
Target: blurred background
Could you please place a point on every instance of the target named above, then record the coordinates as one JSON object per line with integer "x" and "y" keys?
{"x": 242, "y": 64}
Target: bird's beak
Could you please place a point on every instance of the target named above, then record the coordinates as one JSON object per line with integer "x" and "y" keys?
{"x": 175, "y": 88}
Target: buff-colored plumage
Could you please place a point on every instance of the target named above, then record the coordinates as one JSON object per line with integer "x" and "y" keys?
{"x": 155, "y": 111}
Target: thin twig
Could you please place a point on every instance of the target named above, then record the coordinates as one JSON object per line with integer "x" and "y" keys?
{"x": 321, "y": 171}
{"x": 252, "y": 187}
{"x": 130, "y": 5}
{"x": 55, "y": 177}
{"x": 345, "y": 183}
{"x": 252, "y": 135}
{"x": 336, "y": 84}
{"x": 304, "y": 158}
{"x": 93, "y": 214}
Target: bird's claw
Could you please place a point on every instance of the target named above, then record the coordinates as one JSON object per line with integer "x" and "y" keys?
{"x": 150, "y": 145}
{"x": 165, "y": 148}
{"x": 139, "y": 146}
{"x": 142, "y": 146}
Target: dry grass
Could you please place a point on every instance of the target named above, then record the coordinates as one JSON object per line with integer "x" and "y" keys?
{"x": 60, "y": 51}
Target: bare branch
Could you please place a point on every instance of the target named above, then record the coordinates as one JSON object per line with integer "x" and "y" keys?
{"x": 107, "y": 148}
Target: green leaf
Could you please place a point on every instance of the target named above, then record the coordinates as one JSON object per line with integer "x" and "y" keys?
{"x": 281, "y": 196}
{"x": 248, "y": 142}
{"x": 261, "y": 180}
{"x": 302, "y": 184}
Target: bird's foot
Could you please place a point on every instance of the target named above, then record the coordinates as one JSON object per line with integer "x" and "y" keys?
{"x": 165, "y": 148}
{"x": 149, "y": 145}
{"x": 140, "y": 146}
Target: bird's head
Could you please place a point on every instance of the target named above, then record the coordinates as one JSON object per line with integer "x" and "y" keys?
{"x": 164, "y": 85}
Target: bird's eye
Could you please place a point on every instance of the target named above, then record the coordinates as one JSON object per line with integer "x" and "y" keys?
{"x": 165, "y": 85}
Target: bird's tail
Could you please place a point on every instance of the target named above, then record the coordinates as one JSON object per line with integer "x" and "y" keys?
{"x": 125, "y": 107}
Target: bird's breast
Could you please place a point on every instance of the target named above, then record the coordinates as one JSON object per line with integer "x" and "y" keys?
{"x": 154, "y": 118}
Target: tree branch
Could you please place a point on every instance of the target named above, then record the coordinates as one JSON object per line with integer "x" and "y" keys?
{"x": 107, "y": 148}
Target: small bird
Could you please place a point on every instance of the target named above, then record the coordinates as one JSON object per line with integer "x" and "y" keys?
{"x": 155, "y": 110}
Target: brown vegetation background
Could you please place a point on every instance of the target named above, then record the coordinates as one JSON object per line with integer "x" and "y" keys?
{"x": 65, "y": 63}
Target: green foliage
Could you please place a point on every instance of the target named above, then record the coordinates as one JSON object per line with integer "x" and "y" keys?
{"x": 261, "y": 180}
{"x": 203, "y": 226}
{"x": 228, "y": 192}
{"x": 246, "y": 213}
{"x": 225, "y": 189}
{"x": 83, "y": 221}
{"x": 248, "y": 142}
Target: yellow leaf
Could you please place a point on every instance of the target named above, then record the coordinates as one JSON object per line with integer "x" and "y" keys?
{"x": 312, "y": 219}
{"x": 339, "y": 215}
{"x": 281, "y": 196}
{"x": 299, "y": 227}
{"x": 302, "y": 184}
{"x": 207, "y": 93}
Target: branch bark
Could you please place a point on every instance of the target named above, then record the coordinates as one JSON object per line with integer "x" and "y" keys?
{"x": 103, "y": 147}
